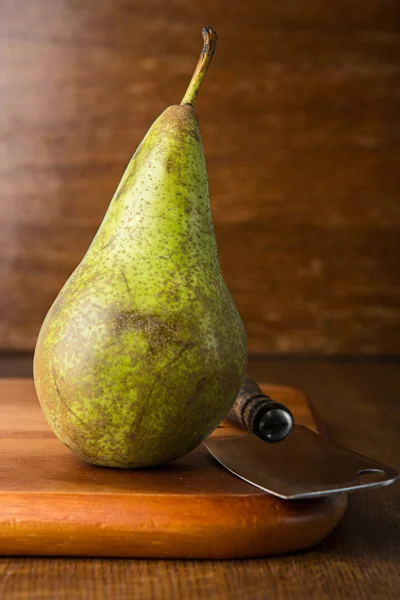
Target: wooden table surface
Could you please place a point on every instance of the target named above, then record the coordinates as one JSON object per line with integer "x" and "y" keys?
{"x": 360, "y": 559}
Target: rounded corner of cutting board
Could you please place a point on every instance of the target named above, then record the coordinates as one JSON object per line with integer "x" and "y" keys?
{"x": 190, "y": 509}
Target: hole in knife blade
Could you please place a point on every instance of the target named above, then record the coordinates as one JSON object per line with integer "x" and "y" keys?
{"x": 370, "y": 472}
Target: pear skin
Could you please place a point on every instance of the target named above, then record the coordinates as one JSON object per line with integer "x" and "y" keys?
{"x": 143, "y": 352}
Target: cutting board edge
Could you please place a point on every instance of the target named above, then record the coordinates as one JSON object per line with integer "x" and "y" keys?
{"x": 129, "y": 530}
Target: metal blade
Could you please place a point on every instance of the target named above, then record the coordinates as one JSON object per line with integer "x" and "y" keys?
{"x": 304, "y": 465}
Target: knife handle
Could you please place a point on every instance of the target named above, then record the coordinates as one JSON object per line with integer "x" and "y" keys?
{"x": 269, "y": 420}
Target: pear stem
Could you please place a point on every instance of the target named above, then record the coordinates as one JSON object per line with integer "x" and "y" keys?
{"x": 210, "y": 42}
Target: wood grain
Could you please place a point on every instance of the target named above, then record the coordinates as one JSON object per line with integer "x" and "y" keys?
{"x": 52, "y": 503}
{"x": 299, "y": 119}
{"x": 358, "y": 560}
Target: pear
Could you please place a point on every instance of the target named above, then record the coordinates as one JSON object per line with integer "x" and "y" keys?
{"x": 143, "y": 352}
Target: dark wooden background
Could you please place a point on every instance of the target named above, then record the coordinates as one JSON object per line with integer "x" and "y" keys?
{"x": 300, "y": 119}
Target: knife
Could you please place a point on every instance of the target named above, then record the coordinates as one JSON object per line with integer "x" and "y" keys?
{"x": 287, "y": 460}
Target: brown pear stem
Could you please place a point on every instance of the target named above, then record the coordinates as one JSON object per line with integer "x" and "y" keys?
{"x": 210, "y": 42}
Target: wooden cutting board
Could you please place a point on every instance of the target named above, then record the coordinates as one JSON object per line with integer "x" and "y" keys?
{"x": 52, "y": 503}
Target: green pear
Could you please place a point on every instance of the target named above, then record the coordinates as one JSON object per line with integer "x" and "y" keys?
{"x": 143, "y": 352}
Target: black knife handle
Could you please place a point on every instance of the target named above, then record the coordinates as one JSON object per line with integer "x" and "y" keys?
{"x": 269, "y": 420}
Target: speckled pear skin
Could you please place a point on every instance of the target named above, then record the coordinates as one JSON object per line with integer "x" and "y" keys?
{"x": 143, "y": 352}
